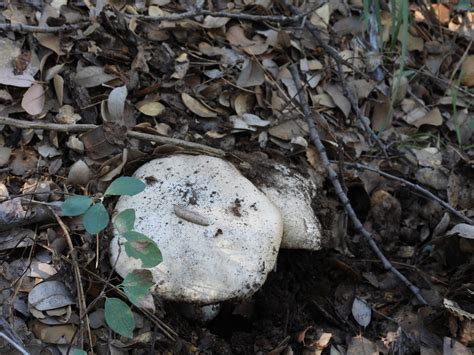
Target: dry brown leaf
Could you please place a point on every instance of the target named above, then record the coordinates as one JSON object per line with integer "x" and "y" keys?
{"x": 92, "y": 76}
{"x": 236, "y": 36}
{"x": 9, "y": 50}
{"x": 214, "y": 22}
{"x": 339, "y": 99}
{"x": 59, "y": 87}
{"x": 197, "y": 107}
{"x": 290, "y": 129}
{"x": 50, "y": 41}
{"x": 116, "y": 103}
{"x": 432, "y": 118}
{"x": 380, "y": 116}
{"x": 361, "y": 346}
{"x": 323, "y": 100}
{"x": 441, "y": 11}
{"x": 33, "y": 100}
{"x": 252, "y": 75}
{"x": 467, "y": 77}
{"x": 320, "y": 17}
{"x": 57, "y": 334}
{"x": 453, "y": 347}
{"x": 79, "y": 173}
{"x": 66, "y": 115}
{"x": 151, "y": 108}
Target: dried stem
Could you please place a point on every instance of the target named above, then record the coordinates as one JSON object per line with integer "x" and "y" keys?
{"x": 414, "y": 187}
{"x": 316, "y": 140}
{"x": 18, "y": 27}
{"x": 79, "y": 128}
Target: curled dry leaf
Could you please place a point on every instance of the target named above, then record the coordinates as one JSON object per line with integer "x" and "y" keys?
{"x": 116, "y": 103}
{"x": 33, "y": 100}
{"x": 197, "y": 107}
{"x": 463, "y": 229}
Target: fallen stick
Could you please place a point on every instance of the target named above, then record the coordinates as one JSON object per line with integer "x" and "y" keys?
{"x": 316, "y": 140}
{"x": 18, "y": 27}
{"x": 231, "y": 15}
{"x": 348, "y": 93}
{"x": 414, "y": 187}
{"x": 80, "y": 128}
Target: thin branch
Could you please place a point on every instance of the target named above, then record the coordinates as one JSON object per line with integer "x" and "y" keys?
{"x": 167, "y": 330}
{"x": 78, "y": 278}
{"x": 414, "y": 187}
{"x": 18, "y": 27}
{"x": 348, "y": 93}
{"x": 14, "y": 344}
{"x": 11, "y": 337}
{"x": 232, "y": 15}
{"x": 316, "y": 140}
{"x": 80, "y": 128}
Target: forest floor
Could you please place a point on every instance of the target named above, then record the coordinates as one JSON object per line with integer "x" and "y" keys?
{"x": 89, "y": 92}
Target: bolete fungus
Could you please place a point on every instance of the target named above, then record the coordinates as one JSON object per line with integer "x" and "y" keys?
{"x": 219, "y": 235}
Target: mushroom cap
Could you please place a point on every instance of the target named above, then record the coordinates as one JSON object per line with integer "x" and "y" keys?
{"x": 293, "y": 194}
{"x": 218, "y": 234}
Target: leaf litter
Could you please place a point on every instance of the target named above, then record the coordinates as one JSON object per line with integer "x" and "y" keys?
{"x": 223, "y": 81}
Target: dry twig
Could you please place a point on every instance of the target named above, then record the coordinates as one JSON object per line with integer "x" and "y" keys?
{"x": 78, "y": 278}
{"x": 18, "y": 27}
{"x": 232, "y": 15}
{"x": 414, "y": 187}
{"x": 316, "y": 140}
{"x": 79, "y": 128}
{"x": 348, "y": 93}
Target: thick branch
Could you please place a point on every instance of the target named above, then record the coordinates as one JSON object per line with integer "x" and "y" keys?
{"x": 316, "y": 140}
{"x": 79, "y": 128}
{"x": 18, "y": 27}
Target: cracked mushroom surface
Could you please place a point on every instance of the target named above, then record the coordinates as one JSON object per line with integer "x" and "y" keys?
{"x": 219, "y": 235}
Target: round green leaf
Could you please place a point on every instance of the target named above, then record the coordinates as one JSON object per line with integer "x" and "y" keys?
{"x": 136, "y": 285}
{"x": 119, "y": 317}
{"x": 125, "y": 185}
{"x": 139, "y": 246}
{"x": 125, "y": 220}
{"x": 75, "y": 205}
{"x": 96, "y": 218}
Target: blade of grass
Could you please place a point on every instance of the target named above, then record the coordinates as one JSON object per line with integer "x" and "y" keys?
{"x": 403, "y": 14}
{"x": 454, "y": 100}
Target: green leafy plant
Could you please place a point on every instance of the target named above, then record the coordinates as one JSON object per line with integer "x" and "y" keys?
{"x": 96, "y": 217}
{"x": 137, "y": 284}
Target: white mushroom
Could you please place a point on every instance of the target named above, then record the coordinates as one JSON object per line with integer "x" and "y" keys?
{"x": 293, "y": 195}
{"x": 219, "y": 235}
